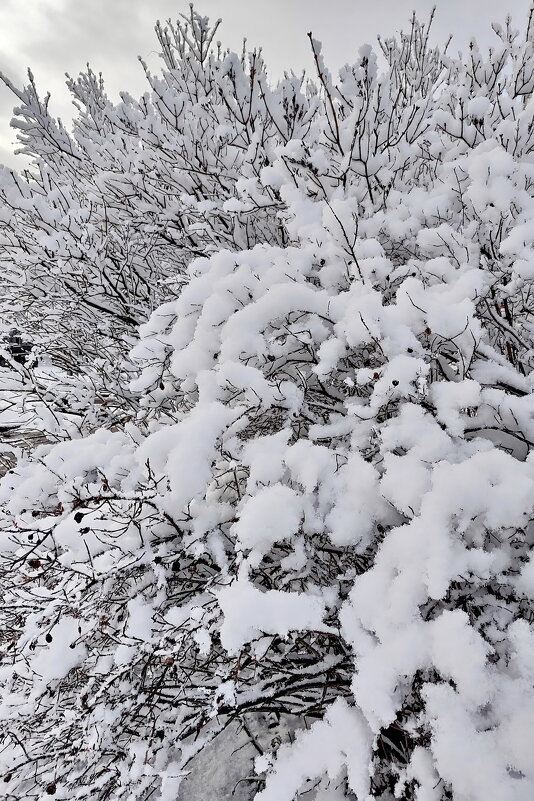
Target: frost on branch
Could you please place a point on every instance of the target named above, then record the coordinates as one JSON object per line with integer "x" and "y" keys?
{"x": 311, "y": 535}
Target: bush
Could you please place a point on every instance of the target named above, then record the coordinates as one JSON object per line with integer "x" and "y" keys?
{"x": 319, "y": 511}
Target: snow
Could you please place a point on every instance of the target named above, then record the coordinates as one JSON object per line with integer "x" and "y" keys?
{"x": 271, "y": 515}
{"x": 54, "y": 660}
{"x": 342, "y": 738}
{"x": 249, "y": 612}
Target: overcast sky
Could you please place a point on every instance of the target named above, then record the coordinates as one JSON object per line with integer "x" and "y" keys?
{"x": 57, "y": 36}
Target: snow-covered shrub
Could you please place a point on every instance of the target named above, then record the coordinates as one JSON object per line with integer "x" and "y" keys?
{"x": 322, "y": 509}
{"x": 99, "y": 230}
